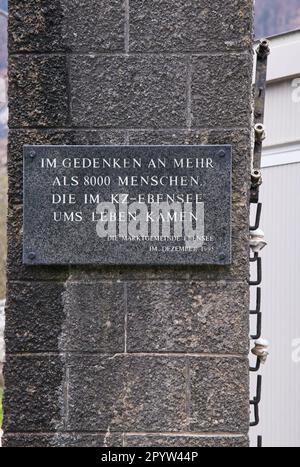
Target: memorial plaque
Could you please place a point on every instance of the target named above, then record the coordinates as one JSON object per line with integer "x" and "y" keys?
{"x": 139, "y": 205}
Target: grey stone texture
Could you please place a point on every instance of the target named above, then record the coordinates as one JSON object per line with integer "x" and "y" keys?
{"x": 129, "y": 356}
{"x": 219, "y": 395}
{"x": 220, "y": 90}
{"x": 166, "y": 393}
{"x": 128, "y": 91}
{"x": 42, "y": 82}
{"x": 38, "y": 312}
{"x": 187, "y": 317}
{"x": 95, "y": 317}
{"x": 186, "y": 441}
{"x": 147, "y": 395}
{"x": 98, "y": 25}
{"x": 59, "y": 439}
{"x": 189, "y": 26}
{"x": 32, "y": 399}
{"x": 67, "y": 25}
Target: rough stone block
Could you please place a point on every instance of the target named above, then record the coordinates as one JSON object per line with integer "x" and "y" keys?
{"x": 15, "y": 269}
{"x": 34, "y": 317}
{"x": 59, "y": 439}
{"x": 33, "y": 393}
{"x": 128, "y": 91}
{"x": 219, "y": 395}
{"x": 187, "y": 317}
{"x": 66, "y": 25}
{"x": 38, "y": 93}
{"x": 95, "y": 317}
{"x": 140, "y": 393}
{"x": 111, "y": 399}
{"x": 221, "y": 90}
{"x": 191, "y": 440}
{"x": 186, "y": 25}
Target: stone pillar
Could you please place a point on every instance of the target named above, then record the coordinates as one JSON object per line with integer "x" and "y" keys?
{"x": 128, "y": 356}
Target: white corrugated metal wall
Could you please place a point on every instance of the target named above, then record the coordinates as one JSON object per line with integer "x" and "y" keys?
{"x": 283, "y": 112}
{"x": 280, "y": 407}
{"x": 280, "y": 195}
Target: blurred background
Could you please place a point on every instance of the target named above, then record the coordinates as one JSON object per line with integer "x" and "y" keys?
{"x": 276, "y": 16}
{"x": 280, "y": 195}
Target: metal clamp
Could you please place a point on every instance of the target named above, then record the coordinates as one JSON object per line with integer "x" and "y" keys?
{"x": 260, "y": 133}
{"x": 262, "y": 53}
{"x": 258, "y": 280}
{"x": 258, "y": 313}
{"x": 263, "y": 49}
{"x": 257, "y": 398}
{"x": 255, "y": 402}
{"x": 257, "y": 217}
{"x": 255, "y": 368}
{"x": 259, "y": 441}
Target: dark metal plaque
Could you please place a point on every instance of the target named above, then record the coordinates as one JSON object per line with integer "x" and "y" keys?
{"x": 139, "y": 205}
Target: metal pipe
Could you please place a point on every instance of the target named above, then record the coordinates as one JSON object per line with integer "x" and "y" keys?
{"x": 257, "y": 281}
{"x": 262, "y": 53}
{"x": 255, "y": 368}
{"x": 259, "y": 441}
{"x": 258, "y": 212}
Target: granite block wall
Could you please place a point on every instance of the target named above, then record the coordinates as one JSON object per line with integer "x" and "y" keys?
{"x": 128, "y": 356}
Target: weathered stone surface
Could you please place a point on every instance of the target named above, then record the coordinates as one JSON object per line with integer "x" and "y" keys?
{"x": 186, "y": 71}
{"x": 191, "y": 440}
{"x": 36, "y": 27}
{"x": 186, "y": 25}
{"x": 38, "y": 91}
{"x": 33, "y": 393}
{"x": 35, "y": 317}
{"x": 220, "y": 90}
{"x": 187, "y": 317}
{"x": 128, "y": 91}
{"x": 219, "y": 395}
{"x": 66, "y": 25}
{"x": 95, "y": 317}
{"x": 58, "y": 439}
{"x": 130, "y": 393}
{"x": 94, "y": 25}
{"x": 15, "y": 268}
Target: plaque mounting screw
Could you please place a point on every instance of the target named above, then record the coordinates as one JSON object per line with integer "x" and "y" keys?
{"x": 32, "y": 154}
{"x": 221, "y": 153}
{"x": 31, "y": 255}
{"x": 222, "y": 256}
